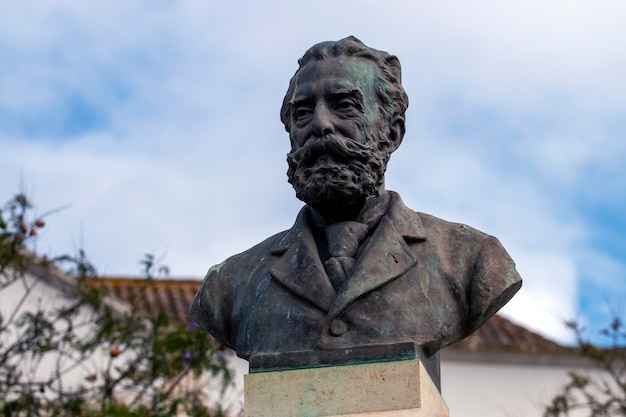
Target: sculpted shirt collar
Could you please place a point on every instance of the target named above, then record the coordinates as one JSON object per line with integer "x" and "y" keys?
{"x": 370, "y": 214}
{"x": 389, "y": 205}
{"x": 300, "y": 269}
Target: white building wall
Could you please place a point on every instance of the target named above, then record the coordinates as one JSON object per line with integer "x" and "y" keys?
{"x": 47, "y": 296}
{"x": 481, "y": 389}
{"x": 31, "y": 294}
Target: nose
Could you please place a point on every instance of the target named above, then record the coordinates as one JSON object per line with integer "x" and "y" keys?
{"x": 322, "y": 122}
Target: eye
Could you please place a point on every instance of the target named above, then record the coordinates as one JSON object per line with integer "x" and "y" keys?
{"x": 347, "y": 106}
{"x": 300, "y": 113}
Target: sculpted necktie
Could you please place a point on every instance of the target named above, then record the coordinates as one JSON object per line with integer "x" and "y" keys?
{"x": 343, "y": 239}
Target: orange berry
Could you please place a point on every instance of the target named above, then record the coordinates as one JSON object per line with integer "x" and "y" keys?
{"x": 114, "y": 351}
{"x": 33, "y": 232}
{"x": 40, "y": 223}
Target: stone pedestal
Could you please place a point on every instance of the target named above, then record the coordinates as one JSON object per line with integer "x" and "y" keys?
{"x": 379, "y": 389}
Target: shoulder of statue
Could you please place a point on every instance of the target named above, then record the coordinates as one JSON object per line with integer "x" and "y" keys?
{"x": 463, "y": 231}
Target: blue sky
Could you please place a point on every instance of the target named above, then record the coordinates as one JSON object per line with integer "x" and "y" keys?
{"x": 157, "y": 122}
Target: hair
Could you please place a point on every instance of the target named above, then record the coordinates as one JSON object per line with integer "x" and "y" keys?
{"x": 393, "y": 99}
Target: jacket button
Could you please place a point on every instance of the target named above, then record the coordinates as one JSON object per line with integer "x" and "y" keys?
{"x": 337, "y": 327}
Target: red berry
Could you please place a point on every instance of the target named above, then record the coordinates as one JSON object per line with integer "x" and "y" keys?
{"x": 114, "y": 351}
{"x": 40, "y": 223}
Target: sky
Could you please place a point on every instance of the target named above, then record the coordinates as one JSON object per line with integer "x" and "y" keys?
{"x": 157, "y": 124}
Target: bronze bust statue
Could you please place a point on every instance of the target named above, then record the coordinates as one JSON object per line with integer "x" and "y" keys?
{"x": 358, "y": 267}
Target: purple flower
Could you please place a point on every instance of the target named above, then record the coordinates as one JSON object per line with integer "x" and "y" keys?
{"x": 187, "y": 357}
{"x": 226, "y": 353}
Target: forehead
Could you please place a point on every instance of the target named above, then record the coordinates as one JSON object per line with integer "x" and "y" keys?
{"x": 336, "y": 75}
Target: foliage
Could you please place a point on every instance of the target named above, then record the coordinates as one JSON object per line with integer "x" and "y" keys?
{"x": 601, "y": 393}
{"x": 152, "y": 267}
{"x": 86, "y": 356}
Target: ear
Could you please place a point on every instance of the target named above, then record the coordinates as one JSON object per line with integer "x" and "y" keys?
{"x": 396, "y": 131}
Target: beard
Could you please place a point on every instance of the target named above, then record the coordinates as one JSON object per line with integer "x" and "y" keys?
{"x": 335, "y": 175}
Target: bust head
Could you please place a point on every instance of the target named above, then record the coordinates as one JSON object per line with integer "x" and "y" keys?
{"x": 344, "y": 111}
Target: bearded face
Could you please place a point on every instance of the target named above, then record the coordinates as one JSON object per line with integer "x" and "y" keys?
{"x": 336, "y": 175}
{"x": 341, "y": 138}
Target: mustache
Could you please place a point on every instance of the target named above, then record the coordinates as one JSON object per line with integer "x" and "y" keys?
{"x": 346, "y": 150}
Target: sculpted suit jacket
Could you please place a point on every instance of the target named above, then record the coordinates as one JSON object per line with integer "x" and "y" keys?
{"x": 418, "y": 279}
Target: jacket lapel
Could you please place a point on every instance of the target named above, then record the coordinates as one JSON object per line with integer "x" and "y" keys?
{"x": 299, "y": 267}
{"x": 385, "y": 257}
